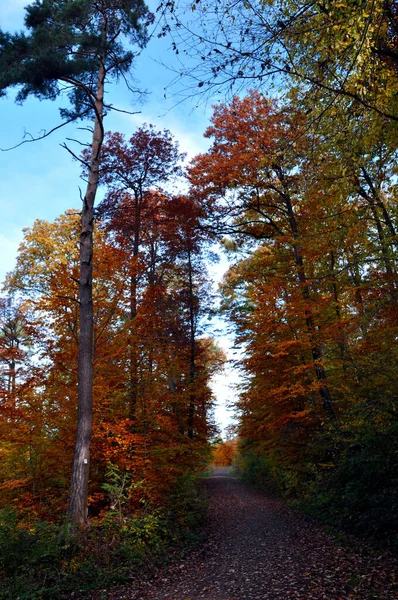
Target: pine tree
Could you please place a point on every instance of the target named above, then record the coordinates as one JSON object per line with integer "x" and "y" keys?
{"x": 79, "y": 44}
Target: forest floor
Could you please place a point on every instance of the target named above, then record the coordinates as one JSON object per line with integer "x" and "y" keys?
{"x": 258, "y": 549}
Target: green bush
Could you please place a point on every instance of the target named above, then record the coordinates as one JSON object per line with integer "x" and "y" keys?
{"x": 32, "y": 562}
{"x": 347, "y": 478}
{"x": 185, "y": 510}
{"x": 265, "y": 471}
{"x": 361, "y": 493}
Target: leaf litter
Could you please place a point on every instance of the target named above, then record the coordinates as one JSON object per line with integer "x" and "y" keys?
{"x": 257, "y": 548}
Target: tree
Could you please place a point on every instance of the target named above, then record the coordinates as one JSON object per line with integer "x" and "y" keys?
{"x": 133, "y": 170}
{"x": 154, "y": 447}
{"x": 328, "y": 50}
{"x": 45, "y": 278}
{"x": 250, "y": 179}
{"x": 78, "y": 44}
{"x": 224, "y": 453}
{"x": 12, "y": 338}
{"x": 187, "y": 242}
{"x": 310, "y": 215}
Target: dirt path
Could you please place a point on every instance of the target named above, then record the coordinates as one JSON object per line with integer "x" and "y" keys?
{"x": 258, "y": 549}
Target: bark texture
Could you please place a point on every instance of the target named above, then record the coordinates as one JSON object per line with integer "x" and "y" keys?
{"x": 78, "y": 498}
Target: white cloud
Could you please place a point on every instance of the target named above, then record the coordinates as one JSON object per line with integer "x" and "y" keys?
{"x": 188, "y": 132}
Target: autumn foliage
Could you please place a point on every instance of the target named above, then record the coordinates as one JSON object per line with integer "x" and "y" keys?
{"x": 152, "y": 361}
{"x": 310, "y": 228}
{"x": 311, "y": 292}
{"x": 224, "y": 452}
{"x": 300, "y": 192}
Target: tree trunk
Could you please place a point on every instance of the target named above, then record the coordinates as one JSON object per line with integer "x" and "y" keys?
{"x": 192, "y": 366}
{"x": 133, "y": 350}
{"x": 341, "y": 341}
{"x": 133, "y": 383}
{"x": 305, "y": 291}
{"x": 381, "y": 205}
{"x": 78, "y": 498}
{"x": 373, "y": 201}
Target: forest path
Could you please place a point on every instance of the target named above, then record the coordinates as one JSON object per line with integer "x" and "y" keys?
{"x": 258, "y": 549}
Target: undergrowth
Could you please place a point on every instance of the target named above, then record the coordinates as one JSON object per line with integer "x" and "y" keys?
{"x": 351, "y": 483}
{"x": 47, "y": 561}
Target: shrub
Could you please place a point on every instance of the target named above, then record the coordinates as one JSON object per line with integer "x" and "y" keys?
{"x": 45, "y": 561}
{"x": 361, "y": 494}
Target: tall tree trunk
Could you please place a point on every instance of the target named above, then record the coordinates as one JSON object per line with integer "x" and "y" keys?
{"x": 341, "y": 340}
{"x": 78, "y": 498}
{"x": 316, "y": 350}
{"x": 373, "y": 200}
{"x": 133, "y": 374}
{"x": 133, "y": 350}
{"x": 382, "y": 206}
{"x": 356, "y": 282}
{"x": 380, "y": 232}
{"x": 192, "y": 366}
{"x": 172, "y": 384}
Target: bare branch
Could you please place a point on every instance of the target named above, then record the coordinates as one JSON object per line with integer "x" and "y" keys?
{"x": 75, "y": 156}
{"x": 84, "y": 144}
{"x": 46, "y": 134}
{"x": 120, "y": 110}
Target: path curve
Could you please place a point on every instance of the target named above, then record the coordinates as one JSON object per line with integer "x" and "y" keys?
{"x": 258, "y": 549}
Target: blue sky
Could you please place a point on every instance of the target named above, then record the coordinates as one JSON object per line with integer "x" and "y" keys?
{"x": 40, "y": 180}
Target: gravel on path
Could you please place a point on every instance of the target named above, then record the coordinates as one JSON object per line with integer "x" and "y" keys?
{"x": 259, "y": 549}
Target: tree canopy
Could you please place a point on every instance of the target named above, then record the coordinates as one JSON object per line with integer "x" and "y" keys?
{"x": 64, "y": 44}
{"x": 108, "y": 310}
